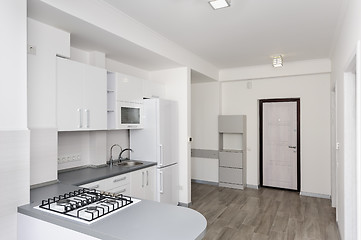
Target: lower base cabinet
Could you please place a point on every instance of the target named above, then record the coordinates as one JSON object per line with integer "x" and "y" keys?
{"x": 138, "y": 184}
{"x": 142, "y": 183}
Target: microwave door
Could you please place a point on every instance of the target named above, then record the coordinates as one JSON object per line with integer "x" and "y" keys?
{"x": 130, "y": 115}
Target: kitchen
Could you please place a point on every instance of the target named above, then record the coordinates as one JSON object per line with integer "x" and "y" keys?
{"x": 42, "y": 121}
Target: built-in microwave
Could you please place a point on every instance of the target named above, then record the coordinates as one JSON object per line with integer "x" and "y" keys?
{"x": 129, "y": 115}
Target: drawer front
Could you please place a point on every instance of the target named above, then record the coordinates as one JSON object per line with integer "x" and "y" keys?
{"x": 125, "y": 190}
{"x": 230, "y": 175}
{"x": 114, "y": 182}
{"x": 230, "y": 159}
{"x": 92, "y": 185}
{"x": 108, "y": 183}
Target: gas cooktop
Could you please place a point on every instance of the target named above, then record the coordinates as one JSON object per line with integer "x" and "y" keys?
{"x": 86, "y": 205}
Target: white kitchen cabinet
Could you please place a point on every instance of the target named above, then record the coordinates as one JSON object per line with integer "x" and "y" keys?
{"x": 152, "y": 89}
{"x": 232, "y": 151}
{"x": 118, "y": 184}
{"x": 81, "y": 96}
{"x": 142, "y": 183}
{"x": 124, "y": 101}
{"x": 129, "y": 88}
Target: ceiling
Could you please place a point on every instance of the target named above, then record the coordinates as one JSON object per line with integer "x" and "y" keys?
{"x": 248, "y": 33}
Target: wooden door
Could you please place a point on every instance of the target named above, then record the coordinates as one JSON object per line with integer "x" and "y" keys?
{"x": 280, "y": 144}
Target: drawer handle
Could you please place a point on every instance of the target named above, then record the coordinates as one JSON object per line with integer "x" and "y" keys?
{"x": 120, "y": 179}
{"x": 121, "y": 191}
{"x": 95, "y": 186}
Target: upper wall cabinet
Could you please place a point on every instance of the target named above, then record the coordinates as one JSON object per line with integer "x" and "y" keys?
{"x": 81, "y": 96}
{"x": 128, "y": 88}
{"x": 125, "y": 101}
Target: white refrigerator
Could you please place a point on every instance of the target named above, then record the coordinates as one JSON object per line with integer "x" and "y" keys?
{"x": 158, "y": 142}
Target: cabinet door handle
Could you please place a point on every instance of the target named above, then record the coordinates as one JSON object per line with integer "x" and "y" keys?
{"x": 161, "y": 182}
{"x": 142, "y": 179}
{"x": 119, "y": 179}
{"x": 80, "y": 118}
{"x": 95, "y": 186}
{"x": 147, "y": 178}
{"x": 87, "y": 112}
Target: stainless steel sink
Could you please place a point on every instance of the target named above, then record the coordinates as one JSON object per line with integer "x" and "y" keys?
{"x": 128, "y": 163}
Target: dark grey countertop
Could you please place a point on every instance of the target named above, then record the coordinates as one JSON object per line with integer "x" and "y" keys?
{"x": 91, "y": 174}
{"x": 144, "y": 220}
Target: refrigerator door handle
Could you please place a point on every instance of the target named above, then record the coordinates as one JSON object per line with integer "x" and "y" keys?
{"x": 161, "y": 155}
{"x": 161, "y": 182}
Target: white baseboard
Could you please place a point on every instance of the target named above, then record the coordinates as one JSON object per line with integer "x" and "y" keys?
{"x": 253, "y": 186}
{"x": 317, "y": 195}
{"x": 205, "y": 182}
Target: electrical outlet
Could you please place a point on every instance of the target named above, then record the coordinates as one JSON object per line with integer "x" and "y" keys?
{"x": 69, "y": 158}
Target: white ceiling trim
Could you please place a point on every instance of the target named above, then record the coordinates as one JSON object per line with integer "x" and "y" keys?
{"x": 315, "y": 66}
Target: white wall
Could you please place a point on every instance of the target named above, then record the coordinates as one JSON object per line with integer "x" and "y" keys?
{"x": 115, "y": 66}
{"x": 205, "y": 111}
{"x": 14, "y": 136}
{"x": 177, "y": 88}
{"x": 296, "y": 68}
{"x": 13, "y": 94}
{"x": 314, "y": 92}
{"x": 348, "y": 35}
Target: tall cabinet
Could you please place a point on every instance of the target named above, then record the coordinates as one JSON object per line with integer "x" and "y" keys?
{"x": 232, "y": 151}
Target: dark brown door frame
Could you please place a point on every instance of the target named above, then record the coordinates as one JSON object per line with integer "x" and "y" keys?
{"x": 297, "y": 100}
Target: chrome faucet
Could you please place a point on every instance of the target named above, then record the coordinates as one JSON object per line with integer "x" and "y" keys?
{"x": 111, "y": 153}
{"x": 120, "y": 154}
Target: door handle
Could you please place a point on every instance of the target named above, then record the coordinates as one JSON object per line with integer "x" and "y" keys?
{"x": 294, "y": 147}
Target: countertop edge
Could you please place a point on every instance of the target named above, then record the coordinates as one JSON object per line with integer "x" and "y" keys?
{"x": 122, "y": 170}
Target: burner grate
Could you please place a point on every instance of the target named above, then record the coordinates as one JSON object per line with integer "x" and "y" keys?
{"x": 86, "y": 204}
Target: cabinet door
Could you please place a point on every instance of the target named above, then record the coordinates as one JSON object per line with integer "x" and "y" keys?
{"x": 129, "y": 88}
{"x": 95, "y": 98}
{"x": 137, "y": 184}
{"x": 142, "y": 183}
{"x": 150, "y": 186}
{"x": 69, "y": 95}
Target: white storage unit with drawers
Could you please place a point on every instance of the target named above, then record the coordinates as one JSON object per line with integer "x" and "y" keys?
{"x": 232, "y": 151}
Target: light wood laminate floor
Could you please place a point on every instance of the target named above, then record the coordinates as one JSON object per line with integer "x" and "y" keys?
{"x": 263, "y": 214}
